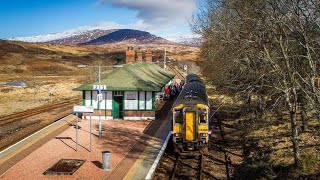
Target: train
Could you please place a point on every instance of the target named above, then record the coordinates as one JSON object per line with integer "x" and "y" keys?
{"x": 190, "y": 116}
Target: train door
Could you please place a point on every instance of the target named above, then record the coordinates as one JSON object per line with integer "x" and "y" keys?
{"x": 190, "y": 125}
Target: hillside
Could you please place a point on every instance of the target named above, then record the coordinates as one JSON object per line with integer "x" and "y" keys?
{"x": 107, "y": 36}
{"x": 22, "y": 61}
{"x": 134, "y": 36}
{"x": 48, "y": 66}
{"x": 96, "y": 37}
{"x": 83, "y": 38}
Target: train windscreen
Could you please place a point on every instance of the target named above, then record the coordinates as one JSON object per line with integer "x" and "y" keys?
{"x": 203, "y": 117}
{"x": 178, "y": 116}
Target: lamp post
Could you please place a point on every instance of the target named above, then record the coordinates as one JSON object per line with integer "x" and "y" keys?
{"x": 164, "y": 59}
{"x": 162, "y": 62}
{"x": 99, "y": 105}
{"x": 99, "y": 96}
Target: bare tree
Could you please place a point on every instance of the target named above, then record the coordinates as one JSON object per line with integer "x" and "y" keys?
{"x": 265, "y": 48}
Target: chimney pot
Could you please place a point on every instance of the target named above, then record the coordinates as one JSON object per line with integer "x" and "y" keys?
{"x": 148, "y": 55}
{"x": 130, "y": 56}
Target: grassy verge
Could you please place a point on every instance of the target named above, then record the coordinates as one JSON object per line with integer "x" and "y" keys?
{"x": 261, "y": 148}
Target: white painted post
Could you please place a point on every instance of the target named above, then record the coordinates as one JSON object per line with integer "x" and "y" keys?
{"x": 100, "y": 125}
{"x": 76, "y": 131}
{"x": 106, "y": 160}
{"x": 164, "y": 60}
{"x": 90, "y": 133}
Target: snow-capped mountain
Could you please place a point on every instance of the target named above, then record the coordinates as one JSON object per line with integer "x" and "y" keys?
{"x": 189, "y": 40}
{"x": 50, "y": 37}
{"x": 92, "y": 36}
{"x": 196, "y": 42}
{"x": 127, "y": 35}
{"x": 83, "y": 38}
{"x": 96, "y": 37}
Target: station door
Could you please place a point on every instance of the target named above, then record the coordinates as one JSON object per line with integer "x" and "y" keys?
{"x": 117, "y": 107}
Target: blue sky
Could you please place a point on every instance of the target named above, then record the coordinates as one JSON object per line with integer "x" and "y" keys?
{"x": 37, "y": 17}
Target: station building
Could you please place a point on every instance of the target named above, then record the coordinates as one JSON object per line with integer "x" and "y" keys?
{"x": 129, "y": 92}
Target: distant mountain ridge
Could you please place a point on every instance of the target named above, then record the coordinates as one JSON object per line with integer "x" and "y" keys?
{"x": 50, "y": 37}
{"x": 133, "y": 36}
{"x": 96, "y": 37}
{"x": 83, "y": 38}
{"x": 195, "y": 42}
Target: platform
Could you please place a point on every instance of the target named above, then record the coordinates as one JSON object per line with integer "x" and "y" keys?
{"x": 138, "y": 162}
{"x": 134, "y": 145}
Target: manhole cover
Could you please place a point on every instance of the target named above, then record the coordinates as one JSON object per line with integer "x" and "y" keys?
{"x": 65, "y": 167}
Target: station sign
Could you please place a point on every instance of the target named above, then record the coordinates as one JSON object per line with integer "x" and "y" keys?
{"x": 83, "y": 109}
{"x": 102, "y": 87}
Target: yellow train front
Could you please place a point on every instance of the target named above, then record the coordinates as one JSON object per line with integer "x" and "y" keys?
{"x": 191, "y": 125}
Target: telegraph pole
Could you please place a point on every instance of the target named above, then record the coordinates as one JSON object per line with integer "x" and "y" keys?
{"x": 164, "y": 59}
{"x": 100, "y": 125}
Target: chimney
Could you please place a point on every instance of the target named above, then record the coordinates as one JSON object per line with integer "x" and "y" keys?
{"x": 148, "y": 55}
{"x": 139, "y": 55}
{"x": 130, "y": 53}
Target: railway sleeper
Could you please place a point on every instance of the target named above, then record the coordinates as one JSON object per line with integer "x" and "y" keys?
{"x": 188, "y": 166}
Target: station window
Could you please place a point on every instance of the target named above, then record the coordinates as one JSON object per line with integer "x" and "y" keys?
{"x": 178, "y": 116}
{"x": 203, "y": 118}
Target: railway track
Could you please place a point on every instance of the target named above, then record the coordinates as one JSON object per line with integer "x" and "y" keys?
{"x": 25, "y": 114}
{"x": 177, "y": 72}
{"x": 188, "y": 166}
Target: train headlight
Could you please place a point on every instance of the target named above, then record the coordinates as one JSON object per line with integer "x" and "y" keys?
{"x": 203, "y": 134}
{"x": 177, "y": 135}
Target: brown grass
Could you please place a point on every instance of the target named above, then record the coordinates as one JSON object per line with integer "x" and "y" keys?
{"x": 19, "y": 99}
{"x": 262, "y": 148}
{"x": 46, "y": 66}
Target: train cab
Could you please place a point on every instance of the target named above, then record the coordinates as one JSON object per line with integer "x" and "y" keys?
{"x": 191, "y": 125}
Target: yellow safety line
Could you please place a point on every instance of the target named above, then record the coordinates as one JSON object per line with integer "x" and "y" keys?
{"x": 146, "y": 151}
{"x": 138, "y": 163}
{"x": 47, "y": 131}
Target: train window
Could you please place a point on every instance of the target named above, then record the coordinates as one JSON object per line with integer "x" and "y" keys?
{"x": 178, "y": 116}
{"x": 203, "y": 118}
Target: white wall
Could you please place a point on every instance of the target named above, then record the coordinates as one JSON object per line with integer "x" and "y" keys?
{"x": 105, "y": 101}
{"x": 131, "y": 100}
{"x": 109, "y": 100}
{"x": 94, "y": 99}
{"x": 142, "y": 100}
{"x": 87, "y": 98}
{"x": 149, "y": 101}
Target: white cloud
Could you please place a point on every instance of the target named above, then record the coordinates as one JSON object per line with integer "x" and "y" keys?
{"x": 166, "y": 18}
{"x": 101, "y": 25}
{"x": 139, "y": 25}
{"x": 160, "y": 17}
{"x": 158, "y": 12}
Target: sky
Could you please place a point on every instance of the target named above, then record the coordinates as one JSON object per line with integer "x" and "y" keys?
{"x": 165, "y": 18}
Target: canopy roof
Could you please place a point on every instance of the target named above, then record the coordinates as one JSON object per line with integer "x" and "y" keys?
{"x": 133, "y": 77}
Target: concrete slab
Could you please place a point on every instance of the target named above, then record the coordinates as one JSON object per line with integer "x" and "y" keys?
{"x": 134, "y": 146}
{"x": 118, "y": 138}
{"x": 139, "y": 160}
